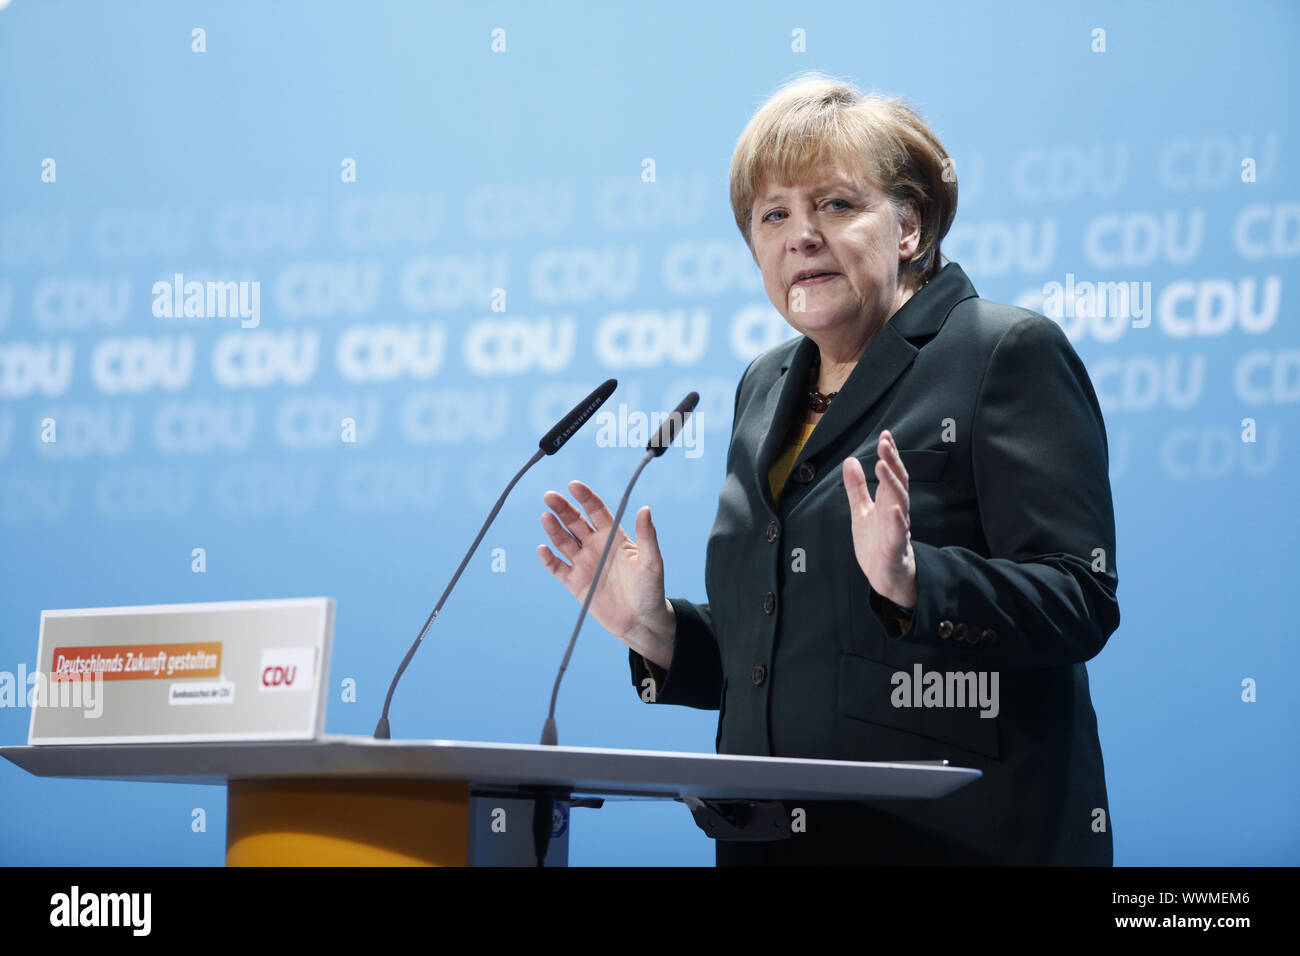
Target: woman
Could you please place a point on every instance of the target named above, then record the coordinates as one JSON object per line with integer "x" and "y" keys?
{"x": 914, "y": 550}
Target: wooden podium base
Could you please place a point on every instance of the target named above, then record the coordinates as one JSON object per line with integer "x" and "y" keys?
{"x": 332, "y": 822}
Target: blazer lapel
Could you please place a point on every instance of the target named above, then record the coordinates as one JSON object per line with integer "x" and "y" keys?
{"x": 887, "y": 356}
{"x": 786, "y": 400}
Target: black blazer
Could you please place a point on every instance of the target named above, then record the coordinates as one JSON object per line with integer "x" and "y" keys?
{"x": 1014, "y": 536}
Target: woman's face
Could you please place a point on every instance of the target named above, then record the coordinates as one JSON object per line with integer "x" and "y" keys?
{"x": 840, "y": 225}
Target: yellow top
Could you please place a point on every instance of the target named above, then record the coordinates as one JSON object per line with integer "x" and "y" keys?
{"x": 781, "y": 468}
{"x": 776, "y": 477}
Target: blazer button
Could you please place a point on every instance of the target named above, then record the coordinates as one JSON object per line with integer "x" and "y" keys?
{"x": 988, "y": 636}
{"x": 959, "y": 632}
{"x": 945, "y": 629}
{"x": 804, "y": 473}
{"x": 772, "y": 530}
{"x": 769, "y": 602}
{"x": 760, "y": 675}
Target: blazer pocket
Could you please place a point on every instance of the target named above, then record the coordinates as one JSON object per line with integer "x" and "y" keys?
{"x": 722, "y": 712}
{"x": 865, "y": 692}
{"x": 922, "y": 464}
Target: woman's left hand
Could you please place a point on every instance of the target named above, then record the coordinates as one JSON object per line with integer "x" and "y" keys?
{"x": 882, "y": 537}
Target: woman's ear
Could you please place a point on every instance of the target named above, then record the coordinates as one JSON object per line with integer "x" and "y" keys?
{"x": 910, "y": 270}
{"x": 909, "y": 223}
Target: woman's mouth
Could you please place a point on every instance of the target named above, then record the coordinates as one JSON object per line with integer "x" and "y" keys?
{"x": 817, "y": 279}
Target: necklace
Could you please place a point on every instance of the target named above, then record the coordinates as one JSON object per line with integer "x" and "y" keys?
{"x": 816, "y": 400}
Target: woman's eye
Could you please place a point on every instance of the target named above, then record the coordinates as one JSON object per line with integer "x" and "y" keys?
{"x": 843, "y": 204}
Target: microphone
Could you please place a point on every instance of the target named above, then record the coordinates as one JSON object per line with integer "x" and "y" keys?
{"x": 668, "y": 431}
{"x": 550, "y": 443}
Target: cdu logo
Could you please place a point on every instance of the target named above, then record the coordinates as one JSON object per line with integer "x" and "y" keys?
{"x": 289, "y": 668}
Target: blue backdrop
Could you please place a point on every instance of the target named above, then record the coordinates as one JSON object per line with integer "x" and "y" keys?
{"x": 379, "y": 169}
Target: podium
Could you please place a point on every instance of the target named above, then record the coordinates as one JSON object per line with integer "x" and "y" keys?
{"x": 357, "y": 801}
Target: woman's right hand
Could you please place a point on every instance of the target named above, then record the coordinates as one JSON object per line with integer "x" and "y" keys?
{"x": 629, "y": 601}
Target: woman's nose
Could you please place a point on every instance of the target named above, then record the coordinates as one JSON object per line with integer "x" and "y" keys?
{"x": 803, "y": 233}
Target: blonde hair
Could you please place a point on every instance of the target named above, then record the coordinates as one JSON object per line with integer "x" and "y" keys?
{"x": 813, "y": 119}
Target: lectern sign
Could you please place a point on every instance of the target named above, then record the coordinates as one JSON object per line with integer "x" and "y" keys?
{"x": 238, "y": 670}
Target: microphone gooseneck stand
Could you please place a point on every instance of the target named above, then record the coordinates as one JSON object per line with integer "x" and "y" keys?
{"x": 543, "y": 807}
{"x": 550, "y": 443}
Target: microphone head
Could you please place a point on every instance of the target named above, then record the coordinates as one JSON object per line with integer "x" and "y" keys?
{"x": 567, "y": 426}
{"x": 673, "y": 424}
